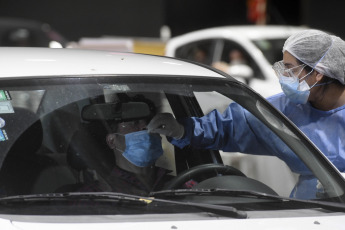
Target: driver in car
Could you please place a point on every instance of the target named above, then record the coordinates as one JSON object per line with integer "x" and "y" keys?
{"x": 136, "y": 152}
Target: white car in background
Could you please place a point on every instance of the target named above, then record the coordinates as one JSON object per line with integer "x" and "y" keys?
{"x": 260, "y": 45}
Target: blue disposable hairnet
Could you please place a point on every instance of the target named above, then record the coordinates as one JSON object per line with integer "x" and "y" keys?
{"x": 319, "y": 50}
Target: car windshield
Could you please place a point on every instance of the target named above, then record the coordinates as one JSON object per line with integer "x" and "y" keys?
{"x": 58, "y": 135}
{"x": 271, "y": 48}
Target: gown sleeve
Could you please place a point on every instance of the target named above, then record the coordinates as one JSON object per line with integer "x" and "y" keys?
{"x": 231, "y": 131}
{"x": 236, "y": 130}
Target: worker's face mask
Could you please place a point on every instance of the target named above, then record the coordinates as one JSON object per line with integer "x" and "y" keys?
{"x": 297, "y": 90}
{"x": 141, "y": 148}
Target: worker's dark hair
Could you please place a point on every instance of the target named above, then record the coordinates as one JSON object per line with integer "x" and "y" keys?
{"x": 325, "y": 78}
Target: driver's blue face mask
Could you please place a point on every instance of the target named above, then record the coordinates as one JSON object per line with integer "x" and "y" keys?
{"x": 142, "y": 149}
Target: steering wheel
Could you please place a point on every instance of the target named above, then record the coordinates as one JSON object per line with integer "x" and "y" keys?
{"x": 199, "y": 170}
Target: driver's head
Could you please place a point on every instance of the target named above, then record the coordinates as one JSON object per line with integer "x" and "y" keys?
{"x": 135, "y": 149}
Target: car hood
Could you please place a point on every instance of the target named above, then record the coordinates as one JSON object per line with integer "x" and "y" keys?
{"x": 178, "y": 221}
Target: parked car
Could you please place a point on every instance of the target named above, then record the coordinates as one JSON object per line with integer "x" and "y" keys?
{"x": 57, "y": 107}
{"x": 29, "y": 33}
{"x": 260, "y": 46}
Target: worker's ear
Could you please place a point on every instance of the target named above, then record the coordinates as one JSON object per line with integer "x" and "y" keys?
{"x": 318, "y": 76}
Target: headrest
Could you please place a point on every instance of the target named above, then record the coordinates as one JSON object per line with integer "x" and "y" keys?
{"x": 88, "y": 150}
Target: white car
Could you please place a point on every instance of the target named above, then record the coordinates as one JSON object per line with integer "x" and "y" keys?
{"x": 57, "y": 108}
{"x": 260, "y": 45}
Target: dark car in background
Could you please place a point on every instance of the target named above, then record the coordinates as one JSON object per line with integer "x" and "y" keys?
{"x": 29, "y": 33}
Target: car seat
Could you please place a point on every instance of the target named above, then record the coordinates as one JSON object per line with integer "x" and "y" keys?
{"x": 28, "y": 167}
{"x": 89, "y": 155}
{"x": 19, "y": 165}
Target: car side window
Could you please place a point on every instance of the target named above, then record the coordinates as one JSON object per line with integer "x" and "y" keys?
{"x": 199, "y": 51}
{"x": 234, "y": 53}
{"x": 206, "y": 101}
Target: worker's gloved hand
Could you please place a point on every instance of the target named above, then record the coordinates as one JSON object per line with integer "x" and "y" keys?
{"x": 166, "y": 124}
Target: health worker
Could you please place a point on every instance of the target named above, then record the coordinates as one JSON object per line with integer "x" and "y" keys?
{"x": 311, "y": 75}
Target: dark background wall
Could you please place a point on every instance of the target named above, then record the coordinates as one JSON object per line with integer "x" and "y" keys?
{"x": 187, "y": 15}
{"x": 91, "y": 18}
{"x": 326, "y": 15}
{"x": 144, "y": 18}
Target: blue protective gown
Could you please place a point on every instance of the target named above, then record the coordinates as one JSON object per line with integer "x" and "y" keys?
{"x": 237, "y": 130}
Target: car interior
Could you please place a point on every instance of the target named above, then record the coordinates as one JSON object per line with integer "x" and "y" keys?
{"x": 59, "y": 147}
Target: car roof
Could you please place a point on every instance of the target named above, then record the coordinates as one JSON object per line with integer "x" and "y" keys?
{"x": 261, "y": 31}
{"x": 251, "y": 32}
{"x": 33, "y": 62}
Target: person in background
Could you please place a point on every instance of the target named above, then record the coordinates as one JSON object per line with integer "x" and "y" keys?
{"x": 312, "y": 77}
{"x": 200, "y": 55}
{"x": 237, "y": 67}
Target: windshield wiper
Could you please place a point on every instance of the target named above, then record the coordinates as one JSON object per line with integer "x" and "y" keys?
{"x": 94, "y": 196}
{"x": 215, "y": 191}
{"x": 121, "y": 197}
{"x": 333, "y": 206}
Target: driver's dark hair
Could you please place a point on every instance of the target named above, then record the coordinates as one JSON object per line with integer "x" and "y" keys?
{"x": 124, "y": 98}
